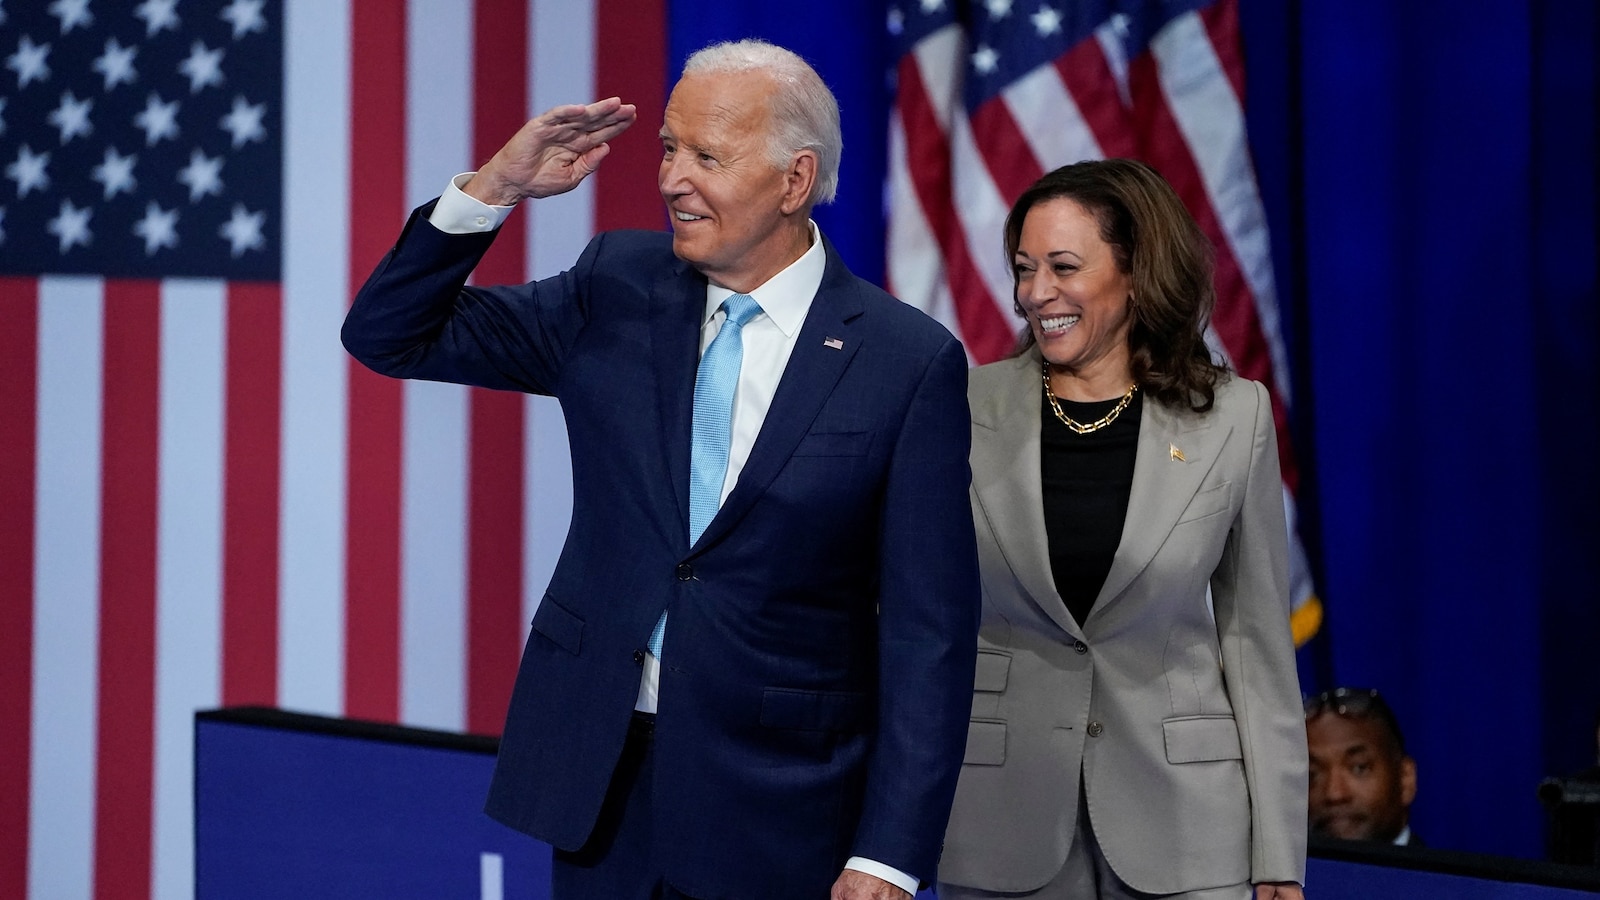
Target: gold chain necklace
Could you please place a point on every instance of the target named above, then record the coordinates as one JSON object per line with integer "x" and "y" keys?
{"x": 1076, "y": 426}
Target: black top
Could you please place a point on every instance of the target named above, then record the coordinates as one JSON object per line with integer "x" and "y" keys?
{"x": 1086, "y": 478}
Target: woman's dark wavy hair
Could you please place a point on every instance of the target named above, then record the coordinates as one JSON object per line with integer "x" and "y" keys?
{"x": 1157, "y": 243}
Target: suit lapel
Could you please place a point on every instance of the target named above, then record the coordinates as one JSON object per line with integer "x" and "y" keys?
{"x": 813, "y": 369}
{"x": 1163, "y": 485}
{"x": 677, "y": 305}
{"x": 1009, "y": 486}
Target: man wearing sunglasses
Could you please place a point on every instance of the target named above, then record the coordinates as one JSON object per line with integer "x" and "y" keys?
{"x": 1362, "y": 781}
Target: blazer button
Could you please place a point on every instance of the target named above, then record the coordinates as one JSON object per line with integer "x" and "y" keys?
{"x": 1095, "y": 729}
{"x": 685, "y": 571}
{"x": 638, "y": 657}
{"x": 1080, "y": 646}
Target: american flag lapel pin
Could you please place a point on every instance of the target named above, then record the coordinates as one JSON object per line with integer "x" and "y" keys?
{"x": 835, "y": 343}
{"x": 1176, "y": 453}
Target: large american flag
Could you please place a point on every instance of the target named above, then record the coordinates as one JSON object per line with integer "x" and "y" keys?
{"x": 203, "y": 501}
{"x": 991, "y": 95}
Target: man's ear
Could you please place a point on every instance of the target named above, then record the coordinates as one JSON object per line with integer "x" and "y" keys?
{"x": 1408, "y": 780}
{"x": 797, "y": 182}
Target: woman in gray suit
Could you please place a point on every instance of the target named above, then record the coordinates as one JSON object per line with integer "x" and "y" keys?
{"x": 1136, "y": 724}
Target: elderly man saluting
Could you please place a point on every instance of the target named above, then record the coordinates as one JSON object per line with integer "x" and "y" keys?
{"x": 750, "y": 674}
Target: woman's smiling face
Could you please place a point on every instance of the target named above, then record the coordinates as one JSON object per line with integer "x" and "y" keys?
{"x": 1075, "y": 297}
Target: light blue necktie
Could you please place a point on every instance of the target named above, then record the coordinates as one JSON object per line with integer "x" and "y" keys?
{"x": 713, "y": 425}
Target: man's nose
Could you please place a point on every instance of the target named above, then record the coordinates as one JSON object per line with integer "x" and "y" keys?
{"x": 670, "y": 178}
{"x": 1336, "y": 787}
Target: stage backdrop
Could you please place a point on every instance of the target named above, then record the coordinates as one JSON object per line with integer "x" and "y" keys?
{"x": 204, "y": 503}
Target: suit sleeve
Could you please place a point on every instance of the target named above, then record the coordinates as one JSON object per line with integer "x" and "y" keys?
{"x": 416, "y": 317}
{"x": 927, "y": 628}
{"x": 1250, "y": 589}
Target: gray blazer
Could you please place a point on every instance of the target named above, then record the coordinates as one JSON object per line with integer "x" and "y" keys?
{"x": 1186, "y": 725}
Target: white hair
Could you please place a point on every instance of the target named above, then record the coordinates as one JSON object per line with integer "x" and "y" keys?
{"x": 805, "y": 115}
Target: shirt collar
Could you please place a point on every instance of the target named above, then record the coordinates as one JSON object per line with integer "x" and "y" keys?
{"x": 785, "y": 297}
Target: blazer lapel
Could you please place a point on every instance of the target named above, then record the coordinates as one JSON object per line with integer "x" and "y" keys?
{"x": 1163, "y": 485}
{"x": 1009, "y": 486}
{"x": 677, "y": 305}
{"x": 809, "y": 377}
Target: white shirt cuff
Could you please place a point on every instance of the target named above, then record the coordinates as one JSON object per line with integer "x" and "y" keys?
{"x": 458, "y": 213}
{"x": 888, "y": 873}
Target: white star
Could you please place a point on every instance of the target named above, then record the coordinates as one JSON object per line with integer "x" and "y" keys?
{"x": 243, "y": 230}
{"x": 115, "y": 173}
{"x": 29, "y": 62}
{"x": 71, "y": 118}
{"x": 159, "y": 120}
{"x": 203, "y": 67}
{"x": 998, "y": 9}
{"x": 72, "y": 13}
{"x": 71, "y": 226}
{"x": 244, "y": 122}
{"x": 158, "y": 228}
{"x": 897, "y": 21}
{"x": 158, "y": 15}
{"x": 245, "y": 16}
{"x": 986, "y": 60}
{"x": 116, "y": 64}
{"x": 203, "y": 175}
{"x": 29, "y": 171}
{"x": 932, "y": 6}
{"x": 1046, "y": 21}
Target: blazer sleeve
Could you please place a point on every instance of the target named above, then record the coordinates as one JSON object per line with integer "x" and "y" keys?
{"x": 1250, "y": 590}
{"x": 927, "y": 628}
{"x": 415, "y": 317}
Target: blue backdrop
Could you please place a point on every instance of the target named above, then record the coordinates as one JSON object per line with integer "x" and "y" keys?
{"x": 1429, "y": 173}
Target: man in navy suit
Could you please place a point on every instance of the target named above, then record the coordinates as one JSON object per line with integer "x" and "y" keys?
{"x": 772, "y": 703}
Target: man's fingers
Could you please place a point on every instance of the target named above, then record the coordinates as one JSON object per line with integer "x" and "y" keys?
{"x": 598, "y": 115}
{"x": 611, "y": 130}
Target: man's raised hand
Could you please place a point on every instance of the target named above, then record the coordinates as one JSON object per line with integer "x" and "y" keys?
{"x": 552, "y": 153}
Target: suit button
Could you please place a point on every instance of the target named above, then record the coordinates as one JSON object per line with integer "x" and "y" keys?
{"x": 1095, "y": 728}
{"x": 685, "y": 571}
{"x": 638, "y": 657}
{"x": 1080, "y": 646}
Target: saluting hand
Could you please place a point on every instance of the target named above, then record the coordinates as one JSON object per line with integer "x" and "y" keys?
{"x": 1286, "y": 890}
{"x": 552, "y": 153}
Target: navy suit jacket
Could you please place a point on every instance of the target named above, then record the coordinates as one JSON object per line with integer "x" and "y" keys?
{"x": 819, "y": 658}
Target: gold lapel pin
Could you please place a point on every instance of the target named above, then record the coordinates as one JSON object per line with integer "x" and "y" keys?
{"x": 1176, "y": 453}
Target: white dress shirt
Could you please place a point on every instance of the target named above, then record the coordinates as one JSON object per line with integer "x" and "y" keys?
{"x": 768, "y": 340}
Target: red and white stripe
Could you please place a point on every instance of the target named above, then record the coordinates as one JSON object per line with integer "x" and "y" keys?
{"x": 1177, "y": 106}
{"x": 204, "y": 502}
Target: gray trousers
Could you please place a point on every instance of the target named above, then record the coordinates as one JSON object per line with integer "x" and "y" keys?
{"x": 1087, "y": 876}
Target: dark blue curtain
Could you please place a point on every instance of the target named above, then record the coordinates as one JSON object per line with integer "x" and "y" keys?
{"x": 1439, "y": 209}
{"x": 1429, "y": 171}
